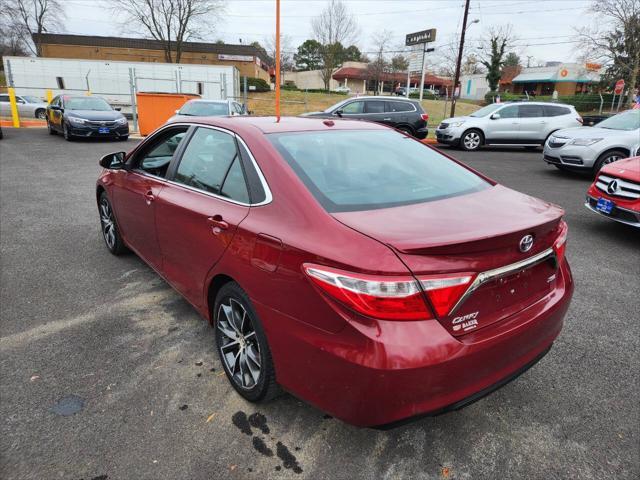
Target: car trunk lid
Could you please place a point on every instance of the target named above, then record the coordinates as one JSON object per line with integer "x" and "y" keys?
{"x": 473, "y": 233}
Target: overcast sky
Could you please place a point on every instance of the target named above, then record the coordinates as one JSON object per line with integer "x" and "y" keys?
{"x": 545, "y": 28}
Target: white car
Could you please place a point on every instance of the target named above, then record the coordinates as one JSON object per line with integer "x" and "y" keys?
{"x": 28, "y": 106}
{"x": 342, "y": 89}
{"x": 590, "y": 148}
{"x": 209, "y": 108}
{"x": 526, "y": 124}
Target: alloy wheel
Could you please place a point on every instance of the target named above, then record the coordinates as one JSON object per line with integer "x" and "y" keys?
{"x": 238, "y": 344}
{"x": 471, "y": 140}
{"x": 610, "y": 159}
{"x": 108, "y": 224}
{"x": 41, "y": 114}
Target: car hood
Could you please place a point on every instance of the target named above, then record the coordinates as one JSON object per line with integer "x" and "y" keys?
{"x": 628, "y": 168}
{"x": 589, "y": 132}
{"x": 457, "y": 119}
{"x": 94, "y": 114}
{"x": 477, "y": 221}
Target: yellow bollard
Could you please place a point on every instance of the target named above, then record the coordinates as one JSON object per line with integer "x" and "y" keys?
{"x": 49, "y": 95}
{"x": 14, "y": 107}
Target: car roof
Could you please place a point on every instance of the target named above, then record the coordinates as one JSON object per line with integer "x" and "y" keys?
{"x": 205, "y": 100}
{"x": 528, "y": 102}
{"x": 247, "y": 124}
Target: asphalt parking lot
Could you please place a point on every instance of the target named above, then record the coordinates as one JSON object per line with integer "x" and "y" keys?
{"x": 106, "y": 373}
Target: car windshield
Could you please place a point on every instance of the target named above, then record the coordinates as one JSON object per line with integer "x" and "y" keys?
{"x": 86, "y": 103}
{"x": 365, "y": 170}
{"x": 204, "y": 109}
{"x": 32, "y": 99}
{"x": 629, "y": 120}
{"x": 488, "y": 110}
{"x": 333, "y": 107}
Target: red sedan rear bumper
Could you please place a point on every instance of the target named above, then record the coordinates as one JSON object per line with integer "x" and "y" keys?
{"x": 385, "y": 372}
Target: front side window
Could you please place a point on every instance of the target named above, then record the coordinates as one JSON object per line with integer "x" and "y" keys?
{"x": 509, "y": 112}
{"x": 211, "y": 163}
{"x": 353, "y": 107}
{"x": 365, "y": 169}
{"x": 155, "y": 159}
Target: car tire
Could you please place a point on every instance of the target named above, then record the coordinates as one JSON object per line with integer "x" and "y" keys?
{"x": 242, "y": 345}
{"x": 50, "y": 129}
{"x": 41, "y": 113}
{"x": 607, "y": 158}
{"x": 123, "y": 138}
{"x": 471, "y": 140}
{"x": 109, "y": 227}
{"x": 65, "y": 133}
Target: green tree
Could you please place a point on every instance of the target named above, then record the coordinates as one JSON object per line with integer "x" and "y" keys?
{"x": 511, "y": 60}
{"x": 351, "y": 54}
{"x": 308, "y": 56}
{"x": 399, "y": 63}
{"x": 499, "y": 40}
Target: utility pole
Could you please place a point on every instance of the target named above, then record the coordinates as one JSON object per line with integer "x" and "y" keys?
{"x": 459, "y": 62}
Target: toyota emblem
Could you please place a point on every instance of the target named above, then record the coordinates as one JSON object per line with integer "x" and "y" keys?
{"x": 612, "y": 187}
{"x": 526, "y": 243}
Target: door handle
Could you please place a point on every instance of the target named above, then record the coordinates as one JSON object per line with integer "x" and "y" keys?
{"x": 217, "y": 223}
{"x": 149, "y": 197}
{"x": 386, "y": 119}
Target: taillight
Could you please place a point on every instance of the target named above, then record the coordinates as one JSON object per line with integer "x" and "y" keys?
{"x": 391, "y": 297}
{"x": 560, "y": 244}
{"x": 444, "y": 291}
{"x": 384, "y": 297}
{"x": 424, "y": 116}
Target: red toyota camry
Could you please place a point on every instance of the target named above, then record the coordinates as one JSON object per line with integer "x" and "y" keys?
{"x": 345, "y": 262}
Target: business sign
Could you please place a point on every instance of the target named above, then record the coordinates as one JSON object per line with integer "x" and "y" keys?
{"x": 415, "y": 58}
{"x": 425, "y": 36}
{"x": 235, "y": 58}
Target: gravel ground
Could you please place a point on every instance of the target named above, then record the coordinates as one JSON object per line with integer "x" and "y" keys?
{"x": 106, "y": 373}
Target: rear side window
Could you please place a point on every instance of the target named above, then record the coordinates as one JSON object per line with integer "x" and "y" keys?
{"x": 373, "y": 106}
{"x": 4, "y": 98}
{"x": 399, "y": 107}
{"x": 531, "y": 111}
{"x": 555, "y": 111}
{"x": 210, "y": 162}
{"x": 366, "y": 170}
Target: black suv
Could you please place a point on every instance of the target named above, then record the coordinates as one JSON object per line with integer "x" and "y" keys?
{"x": 401, "y": 113}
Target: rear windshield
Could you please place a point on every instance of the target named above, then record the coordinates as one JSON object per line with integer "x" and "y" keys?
{"x": 204, "y": 109}
{"x": 366, "y": 170}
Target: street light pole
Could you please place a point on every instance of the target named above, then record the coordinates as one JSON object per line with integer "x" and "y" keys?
{"x": 459, "y": 62}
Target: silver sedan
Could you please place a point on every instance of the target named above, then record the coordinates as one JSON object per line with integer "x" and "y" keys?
{"x": 28, "y": 106}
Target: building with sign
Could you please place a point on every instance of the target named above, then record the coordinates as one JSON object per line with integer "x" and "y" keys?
{"x": 565, "y": 78}
{"x": 249, "y": 60}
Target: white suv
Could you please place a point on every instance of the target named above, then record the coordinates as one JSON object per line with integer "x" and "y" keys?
{"x": 526, "y": 124}
{"x": 591, "y": 148}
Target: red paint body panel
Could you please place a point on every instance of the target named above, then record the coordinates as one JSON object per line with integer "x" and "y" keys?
{"x": 363, "y": 370}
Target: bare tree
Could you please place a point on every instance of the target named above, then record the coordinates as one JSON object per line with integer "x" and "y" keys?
{"x": 24, "y": 18}
{"x": 616, "y": 40}
{"x": 379, "y": 64}
{"x": 333, "y": 28}
{"x": 286, "y": 53}
{"x": 171, "y": 22}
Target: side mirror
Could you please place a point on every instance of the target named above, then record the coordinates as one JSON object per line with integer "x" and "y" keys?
{"x": 495, "y": 116}
{"x": 113, "y": 161}
{"x": 178, "y": 112}
{"x": 338, "y": 112}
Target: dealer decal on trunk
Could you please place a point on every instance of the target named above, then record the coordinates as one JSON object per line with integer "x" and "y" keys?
{"x": 465, "y": 322}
